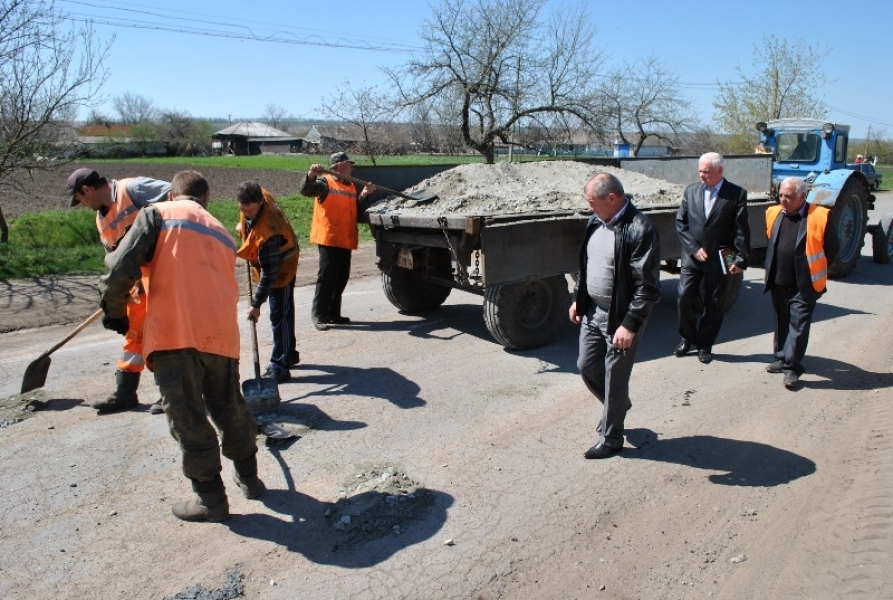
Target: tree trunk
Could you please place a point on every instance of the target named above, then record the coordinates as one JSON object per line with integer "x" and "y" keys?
{"x": 4, "y": 228}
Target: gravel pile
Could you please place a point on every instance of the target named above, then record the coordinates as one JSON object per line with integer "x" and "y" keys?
{"x": 507, "y": 188}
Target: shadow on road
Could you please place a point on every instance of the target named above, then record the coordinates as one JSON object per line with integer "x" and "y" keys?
{"x": 305, "y": 524}
{"x": 744, "y": 463}
{"x": 338, "y": 380}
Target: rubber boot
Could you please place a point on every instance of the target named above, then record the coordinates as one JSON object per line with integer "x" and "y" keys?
{"x": 246, "y": 477}
{"x": 124, "y": 396}
{"x": 209, "y": 503}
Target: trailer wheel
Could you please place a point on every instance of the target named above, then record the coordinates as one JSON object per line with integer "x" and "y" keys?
{"x": 882, "y": 240}
{"x": 408, "y": 289}
{"x": 849, "y": 218}
{"x": 526, "y": 314}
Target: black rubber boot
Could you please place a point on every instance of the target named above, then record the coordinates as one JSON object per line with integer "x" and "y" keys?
{"x": 209, "y": 503}
{"x": 246, "y": 477}
{"x": 124, "y": 396}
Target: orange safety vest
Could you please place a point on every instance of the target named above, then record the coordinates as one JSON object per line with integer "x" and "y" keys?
{"x": 272, "y": 222}
{"x": 335, "y": 216}
{"x": 191, "y": 289}
{"x": 120, "y": 216}
{"x": 816, "y": 221}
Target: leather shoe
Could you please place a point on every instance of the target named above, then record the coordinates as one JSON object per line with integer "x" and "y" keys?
{"x": 601, "y": 451}
{"x": 791, "y": 380}
{"x": 320, "y": 323}
{"x": 279, "y": 376}
{"x": 705, "y": 356}
{"x": 683, "y": 348}
{"x": 339, "y": 320}
{"x": 775, "y": 367}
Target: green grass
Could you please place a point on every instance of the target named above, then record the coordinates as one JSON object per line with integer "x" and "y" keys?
{"x": 887, "y": 171}
{"x": 66, "y": 242}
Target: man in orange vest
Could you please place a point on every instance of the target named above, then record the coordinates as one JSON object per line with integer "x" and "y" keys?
{"x": 334, "y": 230}
{"x": 117, "y": 203}
{"x": 801, "y": 246}
{"x": 269, "y": 244}
{"x": 186, "y": 260}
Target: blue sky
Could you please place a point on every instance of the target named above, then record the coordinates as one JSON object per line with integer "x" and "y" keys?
{"x": 227, "y": 77}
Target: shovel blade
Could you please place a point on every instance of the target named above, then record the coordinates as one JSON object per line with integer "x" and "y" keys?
{"x": 261, "y": 394}
{"x": 36, "y": 374}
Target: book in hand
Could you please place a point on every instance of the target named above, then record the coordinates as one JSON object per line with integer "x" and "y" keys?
{"x": 727, "y": 258}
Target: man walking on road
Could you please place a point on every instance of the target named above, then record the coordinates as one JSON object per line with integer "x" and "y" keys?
{"x": 117, "y": 203}
{"x": 187, "y": 260}
{"x": 619, "y": 284}
{"x": 801, "y": 246}
{"x": 270, "y": 246}
{"x": 334, "y": 230}
{"x": 712, "y": 217}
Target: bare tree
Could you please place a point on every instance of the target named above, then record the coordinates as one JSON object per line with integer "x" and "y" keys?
{"x": 185, "y": 135}
{"x": 275, "y": 115}
{"x": 134, "y": 108}
{"x": 506, "y": 60}
{"x": 644, "y": 98}
{"x": 47, "y": 71}
{"x": 784, "y": 83}
{"x": 365, "y": 107}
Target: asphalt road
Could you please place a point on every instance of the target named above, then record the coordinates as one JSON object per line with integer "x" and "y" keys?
{"x": 730, "y": 485}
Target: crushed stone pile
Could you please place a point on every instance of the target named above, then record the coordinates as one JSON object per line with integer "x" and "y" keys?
{"x": 509, "y": 188}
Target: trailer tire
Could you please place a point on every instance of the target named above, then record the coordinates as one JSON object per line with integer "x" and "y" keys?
{"x": 409, "y": 291}
{"x": 882, "y": 240}
{"x": 526, "y": 314}
{"x": 849, "y": 218}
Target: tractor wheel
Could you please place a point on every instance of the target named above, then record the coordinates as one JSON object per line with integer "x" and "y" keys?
{"x": 526, "y": 314}
{"x": 849, "y": 219}
{"x": 409, "y": 290}
{"x": 882, "y": 240}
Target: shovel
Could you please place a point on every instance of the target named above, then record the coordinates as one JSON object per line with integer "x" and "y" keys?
{"x": 261, "y": 393}
{"x": 36, "y": 373}
{"x": 417, "y": 200}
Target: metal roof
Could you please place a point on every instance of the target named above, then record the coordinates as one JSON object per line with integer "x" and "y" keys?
{"x": 254, "y": 130}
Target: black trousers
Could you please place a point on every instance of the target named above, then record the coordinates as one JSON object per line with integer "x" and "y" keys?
{"x": 793, "y": 317}
{"x": 701, "y": 303}
{"x": 334, "y": 271}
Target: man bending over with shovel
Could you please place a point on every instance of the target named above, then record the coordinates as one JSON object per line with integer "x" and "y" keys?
{"x": 334, "y": 230}
{"x": 187, "y": 261}
{"x": 271, "y": 248}
{"x": 117, "y": 203}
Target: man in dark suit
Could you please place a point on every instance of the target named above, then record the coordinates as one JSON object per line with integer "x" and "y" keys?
{"x": 801, "y": 246}
{"x": 712, "y": 216}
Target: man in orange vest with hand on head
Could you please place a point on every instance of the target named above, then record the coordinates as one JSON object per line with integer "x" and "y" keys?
{"x": 334, "y": 230}
{"x": 186, "y": 260}
{"x": 801, "y": 246}
{"x": 117, "y": 204}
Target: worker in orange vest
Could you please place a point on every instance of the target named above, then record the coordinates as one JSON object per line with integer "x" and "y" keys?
{"x": 334, "y": 231}
{"x": 117, "y": 204}
{"x": 186, "y": 260}
{"x": 270, "y": 246}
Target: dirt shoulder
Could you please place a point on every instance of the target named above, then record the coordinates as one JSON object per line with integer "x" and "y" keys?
{"x": 60, "y": 300}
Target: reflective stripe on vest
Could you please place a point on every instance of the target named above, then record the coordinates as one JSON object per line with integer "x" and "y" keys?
{"x": 191, "y": 289}
{"x": 120, "y": 216}
{"x": 335, "y": 218}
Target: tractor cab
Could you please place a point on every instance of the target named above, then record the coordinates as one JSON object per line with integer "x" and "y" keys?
{"x": 804, "y": 147}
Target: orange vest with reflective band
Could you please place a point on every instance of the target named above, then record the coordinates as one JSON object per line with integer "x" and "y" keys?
{"x": 191, "y": 289}
{"x": 120, "y": 216}
{"x": 816, "y": 221}
{"x": 335, "y": 217}
{"x": 272, "y": 222}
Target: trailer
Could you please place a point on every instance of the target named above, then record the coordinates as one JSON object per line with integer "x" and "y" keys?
{"x": 519, "y": 263}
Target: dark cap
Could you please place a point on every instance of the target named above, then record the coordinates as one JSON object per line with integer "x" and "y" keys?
{"x": 82, "y": 176}
{"x": 339, "y": 157}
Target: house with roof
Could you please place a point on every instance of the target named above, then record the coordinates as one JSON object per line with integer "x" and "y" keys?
{"x": 248, "y": 138}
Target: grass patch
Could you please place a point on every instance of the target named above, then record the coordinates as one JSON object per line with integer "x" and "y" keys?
{"x": 66, "y": 242}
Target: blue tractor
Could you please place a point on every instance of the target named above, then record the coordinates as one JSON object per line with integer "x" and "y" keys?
{"x": 816, "y": 151}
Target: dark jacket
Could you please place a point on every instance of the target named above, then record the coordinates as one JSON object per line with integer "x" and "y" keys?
{"x": 636, "y": 271}
{"x": 726, "y": 227}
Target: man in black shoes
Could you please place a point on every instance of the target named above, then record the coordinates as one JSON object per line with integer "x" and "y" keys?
{"x": 619, "y": 284}
{"x": 711, "y": 219}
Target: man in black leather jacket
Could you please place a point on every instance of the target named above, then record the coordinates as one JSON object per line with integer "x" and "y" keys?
{"x": 618, "y": 286}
